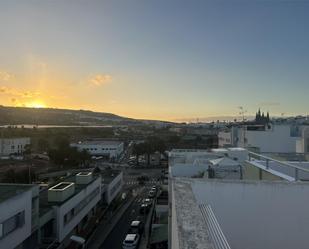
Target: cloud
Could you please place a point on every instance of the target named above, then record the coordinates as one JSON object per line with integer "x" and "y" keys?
{"x": 14, "y": 92}
{"x": 5, "y": 76}
{"x": 100, "y": 79}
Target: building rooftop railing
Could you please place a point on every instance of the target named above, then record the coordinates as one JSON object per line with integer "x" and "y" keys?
{"x": 268, "y": 159}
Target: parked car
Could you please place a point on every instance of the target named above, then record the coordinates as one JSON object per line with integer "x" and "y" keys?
{"x": 137, "y": 226}
{"x": 131, "y": 241}
{"x": 145, "y": 206}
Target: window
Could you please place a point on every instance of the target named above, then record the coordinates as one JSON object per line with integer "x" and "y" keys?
{"x": 12, "y": 224}
{"x": 74, "y": 211}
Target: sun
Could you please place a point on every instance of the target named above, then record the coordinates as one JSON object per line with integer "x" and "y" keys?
{"x": 36, "y": 104}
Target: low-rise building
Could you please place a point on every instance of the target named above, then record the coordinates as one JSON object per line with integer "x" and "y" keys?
{"x": 13, "y": 146}
{"x": 269, "y": 138}
{"x": 18, "y": 216}
{"x": 112, "y": 183}
{"x": 66, "y": 207}
{"x": 110, "y": 149}
{"x": 265, "y": 208}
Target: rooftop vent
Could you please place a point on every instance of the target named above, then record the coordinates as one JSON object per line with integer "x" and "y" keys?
{"x": 61, "y": 191}
{"x": 83, "y": 177}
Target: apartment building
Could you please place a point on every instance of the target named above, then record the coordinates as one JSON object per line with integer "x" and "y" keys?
{"x": 13, "y": 146}
{"x": 270, "y": 138}
{"x": 18, "y": 216}
{"x": 66, "y": 207}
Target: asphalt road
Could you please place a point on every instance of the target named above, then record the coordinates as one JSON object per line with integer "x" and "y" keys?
{"x": 116, "y": 237}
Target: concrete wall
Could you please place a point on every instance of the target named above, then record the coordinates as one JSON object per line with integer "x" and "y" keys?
{"x": 65, "y": 229}
{"x": 187, "y": 170}
{"x": 225, "y": 139}
{"x": 114, "y": 188}
{"x": 255, "y": 215}
{"x": 277, "y": 139}
{"x": 11, "y": 207}
{"x": 173, "y": 227}
{"x": 250, "y": 172}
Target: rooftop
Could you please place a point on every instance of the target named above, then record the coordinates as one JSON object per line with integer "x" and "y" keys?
{"x": 246, "y": 214}
{"x": 8, "y": 191}
{"x": 45, "y": 205}
{"x": 98, "y": 142}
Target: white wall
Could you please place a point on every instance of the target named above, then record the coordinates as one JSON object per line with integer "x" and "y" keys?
{"x": 225, "y": 139}
{"x": 277, "y": 139}
{"x": 97, "y": 149}
{"x": 8, "y": 209}
{"x": 114, "y": 188}
{"x": 255, "y": 215}
{"x": 10, "y": 146}
{"x": 187, "y": 170}
{"x": 64, "y": 230}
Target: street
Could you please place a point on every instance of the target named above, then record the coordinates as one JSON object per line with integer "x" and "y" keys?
{"x": 116, "y": 237}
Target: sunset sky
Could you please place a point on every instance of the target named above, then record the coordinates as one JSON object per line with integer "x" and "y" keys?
{"x": 156, "y": 59}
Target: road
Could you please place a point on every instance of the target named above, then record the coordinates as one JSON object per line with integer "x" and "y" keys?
{"x": 116, "y": 237}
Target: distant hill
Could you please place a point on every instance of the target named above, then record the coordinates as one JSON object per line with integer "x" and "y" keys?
{"x": 51, "y": 116}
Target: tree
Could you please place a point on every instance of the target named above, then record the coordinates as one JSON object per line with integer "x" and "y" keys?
{"x": 138, "y": 150}
{"x": 20, "y": 176}
{"x": 43, "y": 145}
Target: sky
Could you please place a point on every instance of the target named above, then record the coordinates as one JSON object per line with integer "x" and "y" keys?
{"x": 156, "y": 59}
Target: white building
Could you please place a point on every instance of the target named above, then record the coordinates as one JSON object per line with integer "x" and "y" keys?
{"x": 67, "y": 206}
{"x": 18, "y": 215}
{"x": 211, "y": 214}
{"x": 236, "y": 213}
{"x": 112, "y": 183}
{"x": 13, "y": 146}
{"x": 226, "y": 163}
{"x": 111, "y": 149}
{"x": 266, "y": 139}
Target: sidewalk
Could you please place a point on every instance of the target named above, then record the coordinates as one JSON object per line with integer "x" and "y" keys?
{"x": 106, "y": 226}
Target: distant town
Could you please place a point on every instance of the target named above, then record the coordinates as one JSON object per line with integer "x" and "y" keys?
{"x": 139, "y": 185}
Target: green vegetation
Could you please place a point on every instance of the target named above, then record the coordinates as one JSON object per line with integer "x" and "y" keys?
{"x": 67, "y": 156}
{"x": 19, "y": 176}
{"x": 150, "y": 146}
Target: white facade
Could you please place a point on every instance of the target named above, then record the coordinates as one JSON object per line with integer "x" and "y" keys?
{"x": 112, "y": 149}
{"x": 302, "y": 145}
{"x": 114, "y": 188}
{"x": 70, "y": 214}
{"x": 272, "y": 139}
{"x": 15, "y": 215}
{"x": 12, "y": 146}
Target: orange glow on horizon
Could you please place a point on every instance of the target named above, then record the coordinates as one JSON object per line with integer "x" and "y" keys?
{"x": 36, "y": 104}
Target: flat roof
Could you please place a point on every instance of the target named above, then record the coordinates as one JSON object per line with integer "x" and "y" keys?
{"x": 8, "y": 191}
{"x": 190, "y": 225}
{"x": 251, "y": 214}
{"x": 45, "y": 205}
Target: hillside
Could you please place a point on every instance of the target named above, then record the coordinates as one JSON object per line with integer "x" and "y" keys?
{"x": 51, "y": 116}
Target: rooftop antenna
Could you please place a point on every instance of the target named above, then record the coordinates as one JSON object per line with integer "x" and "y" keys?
{"x": 242, "y": 112}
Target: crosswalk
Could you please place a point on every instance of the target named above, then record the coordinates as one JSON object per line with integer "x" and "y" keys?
{"x": 146, "y": 183}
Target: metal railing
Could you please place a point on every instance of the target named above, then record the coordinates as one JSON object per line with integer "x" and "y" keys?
{"x": 285, "y": 164}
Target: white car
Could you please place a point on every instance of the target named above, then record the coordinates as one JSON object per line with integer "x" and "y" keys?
{"x": 131, "y": 241}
